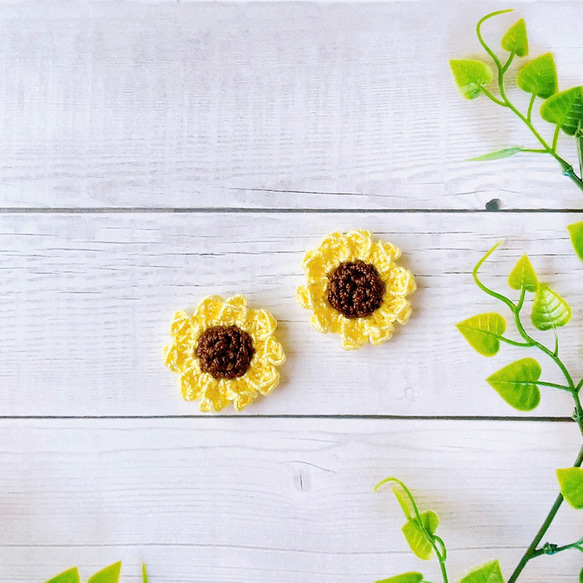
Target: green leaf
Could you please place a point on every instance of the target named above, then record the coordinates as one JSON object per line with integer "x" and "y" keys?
{"x": 404, "y": 502}
{"x": 516, "y": 40}
{"x": 576, "y": 234}
{"x": 549, "y": 310}
{"x": 581, "y": 576}
{"x": 108, "y": 575}
{"x": 571, "y": 481}
{"x": 565, "y": 109}
{"x": 523, "y": 276}
{"x": 470, "y": 76}
{"x": 418, "y": 538}
{"x": 482, "y": 332}
{"x": 497, "y": 155}
{"x": 144, "y": 573}
{"x": 516, "y": 384}
{"x": 404, "y": 578}
{"x": 70, "y": 576}
{"x": 539, "y": 77}
{"x": 488, "y": 573}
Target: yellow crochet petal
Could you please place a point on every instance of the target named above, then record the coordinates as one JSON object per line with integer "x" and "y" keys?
{"x": 231, "y": 315}
{"x": 239, "y": 300}
{"x": 377, "y": 334}
{"x": 402, "y": 311}
{"x": 213, "y": 398}
{"x": 177, "y": 357}
{"x": 382, "y": 260}
{"x": 360, "y": 243}
{"x": 402, "y": 281}
{"x": 335, "y": 248}
{"x": 243, "y": 399}
{"x": 324, "y": 319}
{"x": 270, "y": 350}
{"x": 317, "y": 264}
{"x": 180, "y": 327}
{"x": 260, "y": 324}
{"x": 265, "y": 378}
{"x": 208, "y": 309}
{"x": 313, "y": 293}
{"x": 353, "y": 334}
{"x": 190, "y": 385}
{"x": 303, "y": 297}
{"x": 388, "y": 249}
{"x": 384, "y": 314}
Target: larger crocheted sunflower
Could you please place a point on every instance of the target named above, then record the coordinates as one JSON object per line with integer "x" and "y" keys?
{"x": 356, "y": 288}
{"x": 224, "y": 353}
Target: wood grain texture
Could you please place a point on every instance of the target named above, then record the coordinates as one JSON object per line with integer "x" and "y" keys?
{"x": 86, "y": 302}
{"x": 286, "y": 105}
{"x": 214, "y": 500}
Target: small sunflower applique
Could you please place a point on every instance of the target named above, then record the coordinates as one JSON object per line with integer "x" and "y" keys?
{"x": 355, "y": 288}
{"x": 224, "y": 353}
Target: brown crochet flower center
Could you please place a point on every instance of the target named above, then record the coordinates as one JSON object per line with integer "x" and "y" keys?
{"x": 355, "y": 289}
{"x": 225, "y": 352}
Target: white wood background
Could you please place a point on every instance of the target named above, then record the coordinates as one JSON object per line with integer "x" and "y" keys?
{"x": 154, "y": 152}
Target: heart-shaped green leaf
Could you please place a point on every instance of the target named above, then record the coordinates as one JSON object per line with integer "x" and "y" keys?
{"x": 418, "y": 538}
{"x": 565, "y": 109}
{"x": 482, "y": 332}
{"x": 516, "y": 40}
{"x": 108, "y": 575}
{"x": 70, "y": 576}
{"x": 470, "y": 76}
{"x": 571, "y": 481}
{"x": 549, "y": 309}
{"x": 497, "y": 155}
{"x": 539, "y": 76}
{"x": 576, "y": 234}
{"x": 523, "y": 276}
{"x": 516, "y": 384}
{"x": 404, "y": 578}
{"x": 488, "y": 573}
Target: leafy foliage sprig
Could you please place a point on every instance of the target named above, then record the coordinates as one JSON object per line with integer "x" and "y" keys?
{"x": 110, "y": 574}
{"x": 519, "y": 384}
{"x": 538, "y": 78}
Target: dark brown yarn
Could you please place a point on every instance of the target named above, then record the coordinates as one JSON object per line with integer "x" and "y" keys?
{"x": 355, "y": 289}
{"x": 225, "y": 352}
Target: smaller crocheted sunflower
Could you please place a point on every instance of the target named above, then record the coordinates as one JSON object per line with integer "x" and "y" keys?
{"x": 225, "y": 353}
{"x": 356, "y": 288}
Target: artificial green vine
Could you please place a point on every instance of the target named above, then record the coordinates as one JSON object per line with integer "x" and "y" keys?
{"x": 538, "y": 78}
{"x": 110, "y": 574}
{"x": 519, "y": 384}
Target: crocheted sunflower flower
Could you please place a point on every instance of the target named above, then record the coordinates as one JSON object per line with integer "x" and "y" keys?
{"x": 224, "y": 353}
{"x": 356, "y": 288}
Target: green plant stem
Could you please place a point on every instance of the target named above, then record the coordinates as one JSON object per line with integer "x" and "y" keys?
{"x": 555, "y": 549}
{"x": 579, "y": 139}
{"x": 505, "y": 102}
{"x": 532, "y": 550}
{"x": 553, "y": 386}
{"x": 530, "y": 106}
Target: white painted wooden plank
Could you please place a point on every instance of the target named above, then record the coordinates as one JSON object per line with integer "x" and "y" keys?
{"x": 300, "y": 105}
{"x": 249, "y": 501}
{"x": 86, "y": 302}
